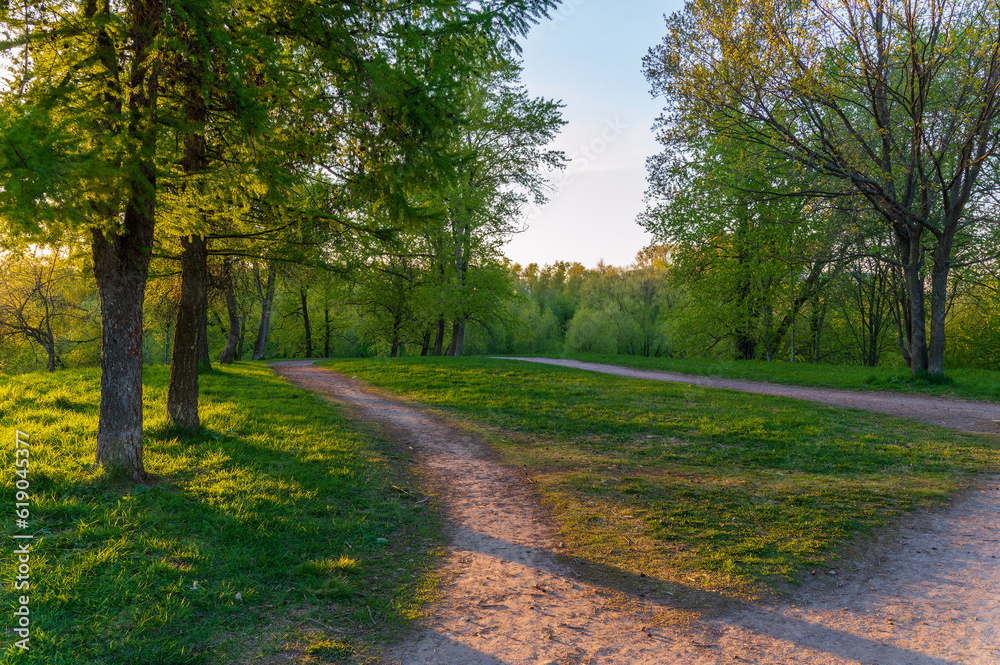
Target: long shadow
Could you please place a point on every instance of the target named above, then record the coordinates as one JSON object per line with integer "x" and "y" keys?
{"x": 670, "y": 594}
{"x": 433, "y": 646}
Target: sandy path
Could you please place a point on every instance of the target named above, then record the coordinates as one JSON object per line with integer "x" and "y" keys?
{"x": 963, "y": 415}
{"x": 927, "y": 595}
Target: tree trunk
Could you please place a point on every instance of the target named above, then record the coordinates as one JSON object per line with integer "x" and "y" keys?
{"x": 901, "y": 314}
{"x": 303, "y": 292}
{"x": 426, "y": 346}
{"x": 939, "y": 306}
{"x": 457, "y": 345}
{"x": 120, "y": 267}
{"x": 235, "y": 329}
{"x": 915, "y": 294}
{"x": 265, "y": 313}
{"x": 204, "y": 360}
{"x": 439, "y": 340}
{"x": 191, "y": 331}
{"x": 50, "y": 350}
{"x": 121, "y": 264}
{"x": 182, "y": 393}
{"x": 326, "y": 332}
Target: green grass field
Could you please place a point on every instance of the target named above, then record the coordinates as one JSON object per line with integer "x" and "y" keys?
{"x": 282, "y": 532}
{"x": 714, "y": 489}
{"x": 964, "y": 383}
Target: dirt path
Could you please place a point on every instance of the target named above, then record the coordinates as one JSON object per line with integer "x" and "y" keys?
{"x": 929, "y": 594}
{"x": 962, "y": 415}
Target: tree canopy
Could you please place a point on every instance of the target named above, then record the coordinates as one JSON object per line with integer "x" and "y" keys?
{"x": 890, "y": 101}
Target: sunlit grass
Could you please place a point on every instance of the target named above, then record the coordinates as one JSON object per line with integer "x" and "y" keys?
{"x": 710, "y": 488}
{"x": 273, "y": 533}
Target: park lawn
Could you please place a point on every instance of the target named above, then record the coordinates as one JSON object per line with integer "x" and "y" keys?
{"x": 977, "y": 384}
{"x": 711, "y": 489}
{"x": 282, "y": 532}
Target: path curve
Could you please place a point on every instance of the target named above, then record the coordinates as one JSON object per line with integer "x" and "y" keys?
{"x": 929, "y": 596}
{"x": 957, "y": 414}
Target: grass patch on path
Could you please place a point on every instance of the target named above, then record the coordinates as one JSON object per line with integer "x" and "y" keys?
{"x": 282, "y": 532}
{"x": 976, "y": 384}
{"x": 709, "y": 488}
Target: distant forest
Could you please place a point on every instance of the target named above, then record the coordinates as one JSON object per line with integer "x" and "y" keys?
{"x": 668, "y": 303}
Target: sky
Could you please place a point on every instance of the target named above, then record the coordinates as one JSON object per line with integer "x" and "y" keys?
{"x": 589, "y": 56}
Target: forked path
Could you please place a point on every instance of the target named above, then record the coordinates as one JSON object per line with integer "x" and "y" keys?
{"x": 959, "y": 414}
{"x": 929, "y": 593}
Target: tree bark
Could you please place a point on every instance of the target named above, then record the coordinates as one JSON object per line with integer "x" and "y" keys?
{"x": 267, "y": 300}
{"x": 120, "y": 267}
{"x": 939, "y": 305}
{"x": 204, "y": 359}
{"x": 182, "y": 393}
{"x": 235, "y": 329}
{"x": 439, "y": 340}
{"x": 50, "y": 350}
{"x": 912, "y": 252}
{"x": 457, "y": 345}
{"x": 303, "y": 292}
{"x": 326, "y": 332}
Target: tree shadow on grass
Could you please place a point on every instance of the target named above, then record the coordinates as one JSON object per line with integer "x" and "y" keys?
{"x": 187, "y": 568}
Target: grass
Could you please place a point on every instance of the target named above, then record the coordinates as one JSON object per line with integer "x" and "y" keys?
{"x": 281, "y": 532}
{"x": 706, "y": 488}
{"x": 964, "y": 383}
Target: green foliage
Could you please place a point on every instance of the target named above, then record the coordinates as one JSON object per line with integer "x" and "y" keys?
{"x": 829, "y": 105}
{"x": 591, "y": 332}
{"x": 278, "y": 512}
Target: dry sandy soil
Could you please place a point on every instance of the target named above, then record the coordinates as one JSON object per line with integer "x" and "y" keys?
{"x": 925, "y": 593}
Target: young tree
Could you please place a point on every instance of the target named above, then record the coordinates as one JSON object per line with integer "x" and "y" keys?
{"x": 39, "y": 302}
{"x": 501, "y": 164}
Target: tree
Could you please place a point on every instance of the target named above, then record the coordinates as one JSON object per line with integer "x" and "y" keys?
{"x": 894, "y": 101}
{"x": 625, "y": 306}
{"x": 501, "y": 161}
{"x": 265, "y": 293}
{"x": 748, "y": 263}
{"x": 227, "y": 280}
{"x": 38, "y": 302}
{"x": 78, "y": 154}
{"x": 97, "y": 84}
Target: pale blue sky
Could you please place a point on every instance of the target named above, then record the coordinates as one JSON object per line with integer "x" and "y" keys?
{"x": 590, "y": 56}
